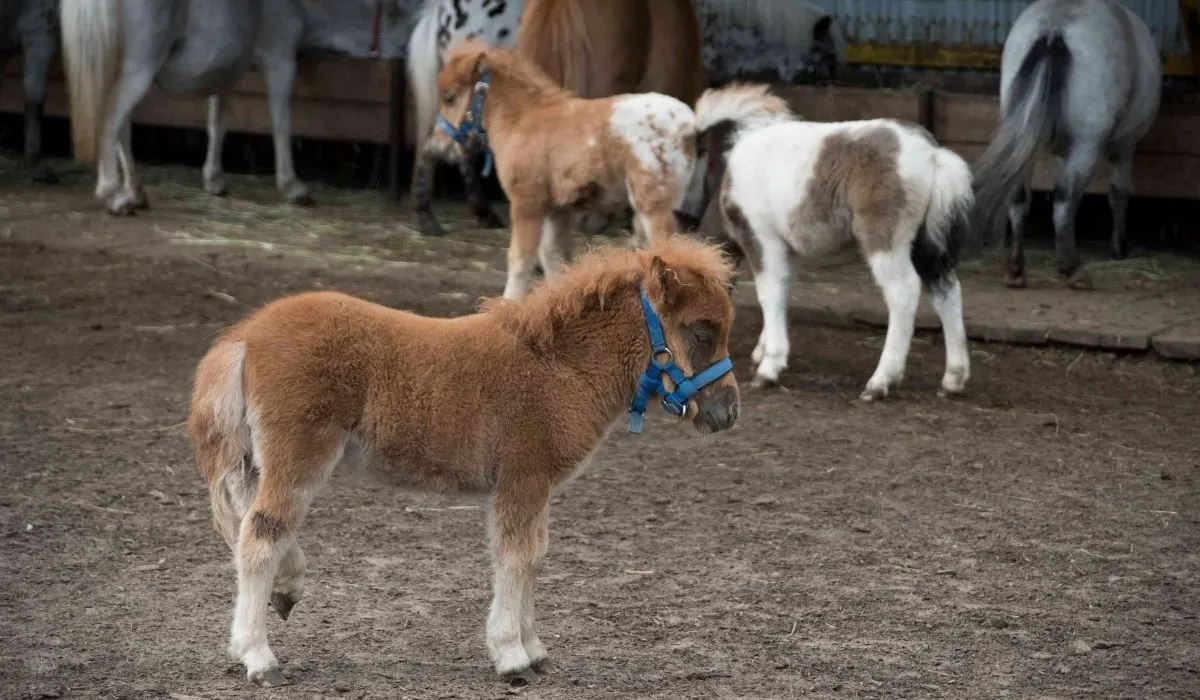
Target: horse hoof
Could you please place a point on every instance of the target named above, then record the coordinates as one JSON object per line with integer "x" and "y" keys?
{"x": 1080, "y": 279}
{"x": 1018, "y": 281}
{"x": 270, "y": 678}
{"x": 303, "y": 199}
{"x": 123, "y": 207}
{"x": 45, "y": 176}
{"x": 489, "y": 219}
{"x": 761, "y": 382}
{"x": 429, "y": 226}
{"x": 523, "y": 677}
{"x": 1118, "y": 253}
{"x": 283, "y": 604}
{"x": 873, "y": 393}
{"x": 217, "y": 187}
{"x": 544, "y": 667}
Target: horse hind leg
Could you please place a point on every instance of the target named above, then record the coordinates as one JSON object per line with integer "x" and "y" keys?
{"x": 897, "y": 278}
{"x": 270, "y": 564}
{"x": 38, "y": 54}
{"x": 947, "y": 302}
{"x": 476, "y": 197}
{"x": 1078, "y": 167}
{"x": 215, "y": 182}
{"x": 1118, "y": 199}
{"x": 280, "y": 74}
{"x": 126, "y": 197}
{"x": 1018, "y": 214}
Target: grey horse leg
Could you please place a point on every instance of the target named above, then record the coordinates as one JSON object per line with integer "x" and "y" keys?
{"x": 218, "y": 123}
{"x": 1078, "y": 167}
{"x": 476, "y": 198}
{"x": 38, "y": 55}
{"x": 422, "y": 189}
{"x": 280, "y": 73}
{"x": 1018, "y": 214}
{"x": 116, "y": 140}
{"x": 1121, "y": 184}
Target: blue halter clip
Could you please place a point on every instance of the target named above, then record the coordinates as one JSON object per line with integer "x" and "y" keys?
{"x": 470, "y": 132}
{"x": 675, "y": 402}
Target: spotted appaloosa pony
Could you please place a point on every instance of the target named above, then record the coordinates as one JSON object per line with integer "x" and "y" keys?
{"x": 559, "y": 155}
{"x": 508, "y": 403}
{"x": 1083, "y": 77}
{"x": 794, "y": 37}
{"x": 813, "y": 190}
{"x": 114, "y": 50}
{"x": 30, "y": 27}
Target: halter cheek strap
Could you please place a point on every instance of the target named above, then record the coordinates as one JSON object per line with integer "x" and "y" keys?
{"x": 471, "y": 128}
{"x": 651, "y": 383}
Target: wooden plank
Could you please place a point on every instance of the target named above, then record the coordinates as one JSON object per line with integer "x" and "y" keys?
{"x": 826, "y": 104}
{"x": 1166, "y": 175}
{"x": 972, "y": 118}
{"x": 964, "y": 57}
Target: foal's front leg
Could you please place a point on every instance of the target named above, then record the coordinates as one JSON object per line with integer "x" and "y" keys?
{"x": 518, "y": 524}
{"x": 523, "y": 248}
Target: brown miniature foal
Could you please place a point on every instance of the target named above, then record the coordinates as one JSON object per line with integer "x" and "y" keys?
{"x": 509, "y": 402}
{"x": 558, "y": 154}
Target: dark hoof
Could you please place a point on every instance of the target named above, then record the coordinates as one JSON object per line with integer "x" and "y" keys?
{"x": 45, "y": 176}
{"x": 270, "y": 678}
{"x": 1119, "y": 253}
{"x": 544, "y": 667}
{"x": 304, "y": 200}
{"x": 1080, "y": 279}
{"x": 489, "y": 219}
{"x": 283, "y": 604}
{"x": 429, "y": 225}
{"x": 519, "y": 679}
{"x": 1015, "y": 281}
{"x": 760, "y": 382}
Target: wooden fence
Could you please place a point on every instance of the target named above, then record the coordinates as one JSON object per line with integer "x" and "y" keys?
{"x": 343, "y": 99}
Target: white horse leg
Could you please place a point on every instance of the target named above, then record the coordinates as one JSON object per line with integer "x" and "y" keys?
{"x": 1078, "y": 167}
{"x": 280, "y": 74}
{"x": 773, "y": 284}
{"x": 1121, "y": 184}
{"x": 116, "y": 140}
{"x": 947, "y": 302}
{"x": 523, "y": 249}
{"x": 218, "y": 123}
{"x": 515, "y": 519}
{"x": 901, "y": 285}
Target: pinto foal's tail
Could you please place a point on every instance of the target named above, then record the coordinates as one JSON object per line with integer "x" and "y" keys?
{"x": 220, "y": 432}
{"x": 1033, "y": 111}
{"x": 947, "y": 227}
{"x": 91, "y": 46}
{"x": 747, "y": 106}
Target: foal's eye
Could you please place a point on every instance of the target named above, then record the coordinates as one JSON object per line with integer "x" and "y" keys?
{"x": 703, "y": 338}
{"x": 449, "y": 99}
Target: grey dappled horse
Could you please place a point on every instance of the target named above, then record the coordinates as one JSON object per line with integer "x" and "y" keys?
{"x": 30, "y": 27}
{"x": 114, "y": 50}
{"x": 1083, "y": 77}
{"x": 788, "y": 38}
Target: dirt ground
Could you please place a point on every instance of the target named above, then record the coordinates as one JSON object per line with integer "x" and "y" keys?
{"x": 1037, "y": 538}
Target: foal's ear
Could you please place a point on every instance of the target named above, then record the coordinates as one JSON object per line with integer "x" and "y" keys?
{"x": 481, "y": 64}
{"x": 822, "y": 27}
{"x": 667, "y": 280}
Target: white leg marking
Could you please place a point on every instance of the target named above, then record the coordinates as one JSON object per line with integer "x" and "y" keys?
{"x": 947, "y": 301}
{"x": 554, "y": 249}
{"x": 773, "y": 284}
{"x": 901, "y": 286}
{"x": 504, "y": 620}
{"x": 257, "y": 561}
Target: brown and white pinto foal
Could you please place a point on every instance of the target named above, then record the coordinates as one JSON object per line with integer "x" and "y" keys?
{"x": 558, "y": 155}
{"x": 509, "y": 402}
{"x": 813, "y": 190}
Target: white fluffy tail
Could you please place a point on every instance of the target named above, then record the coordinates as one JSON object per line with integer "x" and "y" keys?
{"x": 951, "y": 198}
{"x": 91, "y": 45}
{"x": 219, "y": 429}
{"x": 748, "y": 106}
{"x": 422, "y": 66}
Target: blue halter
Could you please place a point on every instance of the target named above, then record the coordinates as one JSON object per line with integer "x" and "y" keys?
{"x": 471, "y": 128}
{"x": 675, "y": 402}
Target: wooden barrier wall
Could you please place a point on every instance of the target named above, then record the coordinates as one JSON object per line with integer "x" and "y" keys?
{"x": 1167, "y": 162}
{"x": 343, "y": 99}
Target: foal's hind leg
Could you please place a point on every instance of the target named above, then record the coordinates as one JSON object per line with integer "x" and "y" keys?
{"x": 772, "y": 282}
{"x": 947, "y": 302}
{"x": 554, "y": 250}
{"x": 901, "y": 285}
{"x": 292, "y": 469}
{"x": 1121, "y": 183}
{"x": 1078, "y": 168}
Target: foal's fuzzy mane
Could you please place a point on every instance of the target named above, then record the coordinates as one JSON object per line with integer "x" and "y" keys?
{"x": 600, "y": 275}
{"x": 506, "y": 63}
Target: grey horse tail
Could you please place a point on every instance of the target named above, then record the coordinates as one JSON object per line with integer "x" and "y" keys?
{"x": 1034, "y": 112}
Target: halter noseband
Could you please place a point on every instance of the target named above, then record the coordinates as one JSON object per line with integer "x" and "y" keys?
{"x": 675, "y": 402}
{"x": 471, "y": 128}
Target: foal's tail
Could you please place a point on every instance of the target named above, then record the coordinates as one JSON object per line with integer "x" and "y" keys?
{"x": 947, "y": 228}
{"x": 1033, "y": 111}
{"x": 91, "y": 45}
{"x": 220, "y": 432}
{"x": 422, "y": 65}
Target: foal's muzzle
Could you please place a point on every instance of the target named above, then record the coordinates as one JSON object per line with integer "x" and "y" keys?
{"x": 719, "y": 408}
